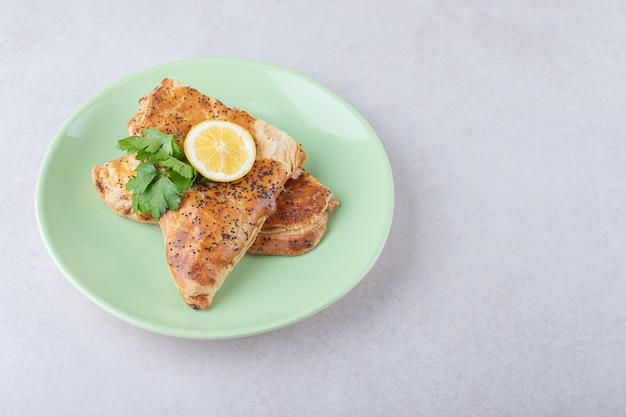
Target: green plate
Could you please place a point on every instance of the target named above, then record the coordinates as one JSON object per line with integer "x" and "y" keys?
{"x": 120, "y": 264}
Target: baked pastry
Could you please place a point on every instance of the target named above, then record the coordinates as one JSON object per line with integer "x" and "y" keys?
{"x": 295, "y": 228}
{"x": 300, "y": 219}
{"x": 276, "y": 209}
{"x": 216, "y": 223}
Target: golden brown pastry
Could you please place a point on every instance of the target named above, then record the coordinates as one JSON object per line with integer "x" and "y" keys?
{"x": 300, "y": 219}
{"x": 216, "y": 222}
{"x": 297, "y": 226}
{"x": 110, "y": 181}
{"x": 215, "y": 225}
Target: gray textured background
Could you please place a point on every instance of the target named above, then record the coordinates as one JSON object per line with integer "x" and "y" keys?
{"x": 501, "y": 289}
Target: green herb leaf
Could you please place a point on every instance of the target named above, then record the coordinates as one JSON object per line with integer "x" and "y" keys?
{"x": 181, "y": 168}
{"x": 146, "y": 174}
{"x": 184, "y": 183}
{"x": 161, "y": 195}
{"x": 163, "y": 174}
{"x": 151, "y": 141}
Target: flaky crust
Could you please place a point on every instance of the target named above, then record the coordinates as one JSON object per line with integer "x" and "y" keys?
{"x": 300, "y": 219}
{"x": 213, "y": 228}
{"x": 216, "y": 222}
{"x": 110, "y": 181}
{"x": 175, "y": 108}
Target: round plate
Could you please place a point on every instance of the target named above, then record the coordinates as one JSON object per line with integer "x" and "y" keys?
{"x": 120, "y": 264}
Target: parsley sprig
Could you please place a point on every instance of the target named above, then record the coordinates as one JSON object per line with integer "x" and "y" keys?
{"x": 163, "y": 174}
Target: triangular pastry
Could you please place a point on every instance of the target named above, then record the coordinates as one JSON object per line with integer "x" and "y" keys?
{"x": 216, "y": 223}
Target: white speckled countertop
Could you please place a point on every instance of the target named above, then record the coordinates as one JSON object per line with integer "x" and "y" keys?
{"x": 501, "y": 290}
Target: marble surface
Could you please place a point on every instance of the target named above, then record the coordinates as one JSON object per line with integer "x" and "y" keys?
{"x": 501, "y": 290}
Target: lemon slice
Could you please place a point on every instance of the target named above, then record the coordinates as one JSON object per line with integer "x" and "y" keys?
{"x": 219, "y": 150}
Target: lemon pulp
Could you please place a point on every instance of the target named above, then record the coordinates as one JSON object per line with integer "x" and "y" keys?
{"x": 220, "y": 150}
